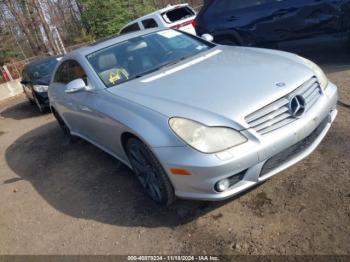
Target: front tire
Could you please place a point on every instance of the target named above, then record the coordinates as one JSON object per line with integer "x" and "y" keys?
{"x": 37, "y": 103}
{"x": 149, "y": 172}
{"x": 31, "y": 101}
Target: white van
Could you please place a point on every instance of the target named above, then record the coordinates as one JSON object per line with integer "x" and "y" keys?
{"x": 173, "y": 16}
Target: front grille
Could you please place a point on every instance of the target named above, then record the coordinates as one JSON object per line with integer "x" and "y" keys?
{"x": 291, "y": 152}
{"x": 277, "y": 115}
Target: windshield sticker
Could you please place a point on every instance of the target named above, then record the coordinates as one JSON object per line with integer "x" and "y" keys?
{"x": 169, "y": 33}
{"x": 118, "y": 75}
{"x": 113, "y": 78}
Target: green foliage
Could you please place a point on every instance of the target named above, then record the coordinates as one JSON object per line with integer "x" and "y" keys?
{"x": 105, "y": 18}
{"x": 8, "y": 50}
{"x": 84, "y": 37}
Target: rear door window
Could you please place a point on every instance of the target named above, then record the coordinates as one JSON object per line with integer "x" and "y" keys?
{"x": 149, "y": 23}
{"x": 131, "y": 28}
{"x": 224, "y": 5}
{"x": 178, "y": 14}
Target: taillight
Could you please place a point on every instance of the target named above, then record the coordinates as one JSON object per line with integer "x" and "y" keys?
{"x": 178, "y": 26}
{"x": 194, "y": 23}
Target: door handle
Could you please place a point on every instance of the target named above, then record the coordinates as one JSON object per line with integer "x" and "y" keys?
{"x": 232, "y": 18}
{"x": 282, "y": 12}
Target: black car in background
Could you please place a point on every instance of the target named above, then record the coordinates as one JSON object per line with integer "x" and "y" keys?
{"x": 268, "y": 22}
{"x": 36, "y": 78}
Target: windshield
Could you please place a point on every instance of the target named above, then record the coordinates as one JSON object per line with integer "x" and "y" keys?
{"x": 43, "y": 69}
{"x": 142, "y": 55}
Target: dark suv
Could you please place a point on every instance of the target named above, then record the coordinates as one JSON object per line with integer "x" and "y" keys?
{"x": 267, "y": 22}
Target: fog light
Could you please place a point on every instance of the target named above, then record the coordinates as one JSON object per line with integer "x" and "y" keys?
{"x": 222, "y": 185}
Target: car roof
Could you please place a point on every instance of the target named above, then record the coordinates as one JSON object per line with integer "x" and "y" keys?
{"x": 160, "y": 11}
{"x": 41, "y": 60}
{"x": 112, "y": 40}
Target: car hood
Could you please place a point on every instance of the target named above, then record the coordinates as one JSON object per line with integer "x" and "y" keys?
{"x": 219, "y": 87}
{"x": 45, "y": 80}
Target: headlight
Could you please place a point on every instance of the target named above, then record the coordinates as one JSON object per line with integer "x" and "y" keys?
{"x": 40, "y": 88}
{"x": 322, "y": 78}
{"x": 204, "y": 138}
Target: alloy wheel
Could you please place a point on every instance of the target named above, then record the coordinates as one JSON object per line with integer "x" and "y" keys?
{"x": 145, "y": 172}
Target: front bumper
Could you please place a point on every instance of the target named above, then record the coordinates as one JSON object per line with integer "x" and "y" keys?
{"x": 255, "y": 161}
{"x": 43, "y": 98}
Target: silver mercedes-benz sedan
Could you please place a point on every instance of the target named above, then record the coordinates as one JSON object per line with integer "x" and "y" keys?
{"x": 193, "y": 119}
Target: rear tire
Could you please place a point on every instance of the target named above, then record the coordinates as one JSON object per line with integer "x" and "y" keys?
{"x": 149, "y": 172}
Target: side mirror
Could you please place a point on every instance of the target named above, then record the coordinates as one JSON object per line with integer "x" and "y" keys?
{"x": 208, "y": 37}
{"x": 75, "y": 86}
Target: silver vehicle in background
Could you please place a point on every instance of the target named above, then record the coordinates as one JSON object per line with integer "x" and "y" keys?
{"x": 191, "y": 118}
{"x": 178, "y": 17}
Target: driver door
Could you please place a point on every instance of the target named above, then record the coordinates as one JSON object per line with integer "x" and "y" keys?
{"x": 86, "y": 110}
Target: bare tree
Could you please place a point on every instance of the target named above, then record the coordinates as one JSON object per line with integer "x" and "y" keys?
{"x": 15, "y": 11}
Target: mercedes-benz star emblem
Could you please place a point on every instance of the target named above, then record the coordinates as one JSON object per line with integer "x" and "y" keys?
{"x": 297, "y": 106}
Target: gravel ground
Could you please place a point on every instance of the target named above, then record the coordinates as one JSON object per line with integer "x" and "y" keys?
{"x": 59, "y": 198}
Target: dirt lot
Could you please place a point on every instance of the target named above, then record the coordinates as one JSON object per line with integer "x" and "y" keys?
{"x": 59, "y": 198}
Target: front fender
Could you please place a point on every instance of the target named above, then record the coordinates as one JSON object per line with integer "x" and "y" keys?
{"x": 148, "y": 125}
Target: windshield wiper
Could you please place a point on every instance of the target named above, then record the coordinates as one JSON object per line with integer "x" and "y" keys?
{"x": 159, "y": 68}
{"x": 144, "y": 73}
{"x": 173, "y": 62}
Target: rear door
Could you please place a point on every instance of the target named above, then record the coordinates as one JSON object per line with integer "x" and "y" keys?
{"x": 306, "y": 18}
{"x": 254, "y": 21}
{"x": 269, "y": 21}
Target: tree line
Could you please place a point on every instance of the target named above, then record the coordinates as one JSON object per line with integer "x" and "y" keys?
{"x": 30, "y": 28}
